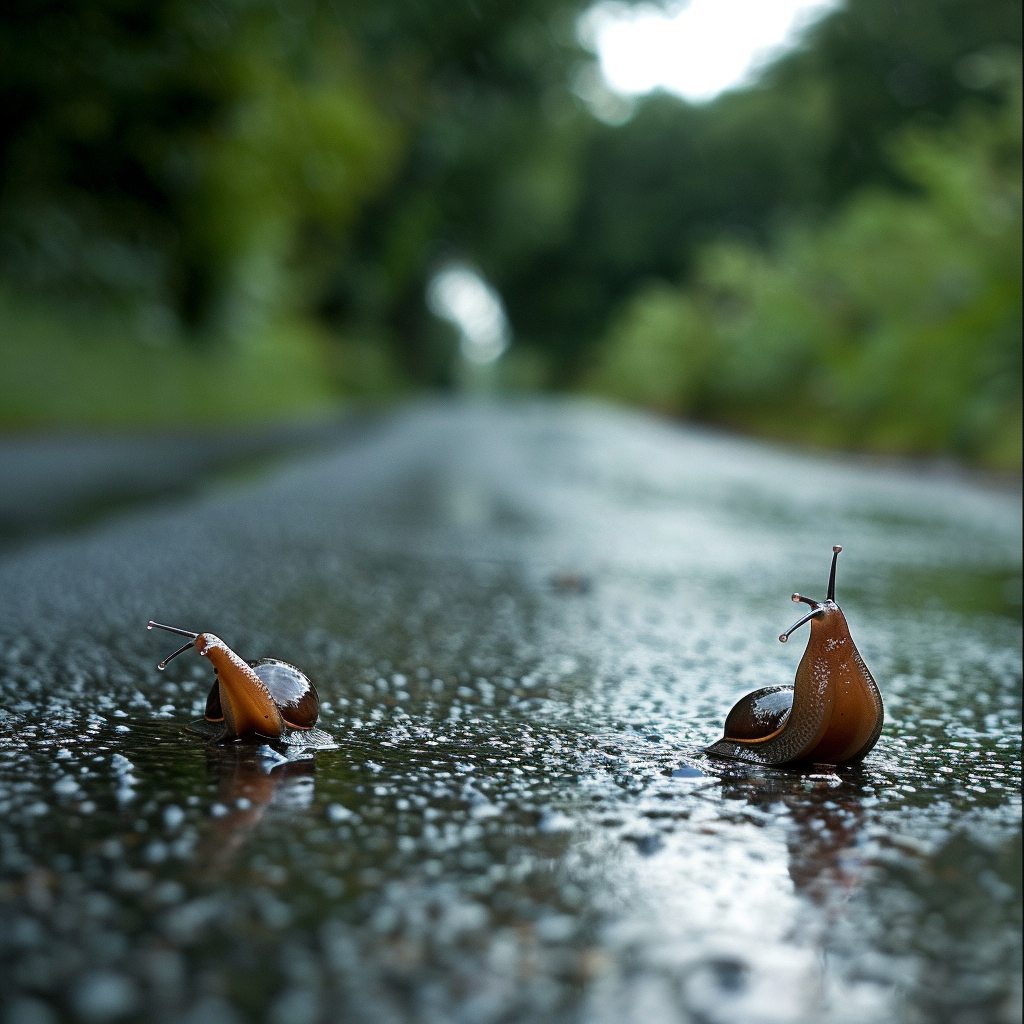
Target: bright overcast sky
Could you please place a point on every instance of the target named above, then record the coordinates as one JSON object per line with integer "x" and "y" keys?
{"x": 696, "y": 50}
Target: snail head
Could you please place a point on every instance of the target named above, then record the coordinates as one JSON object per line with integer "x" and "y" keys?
{"x": 817, "y": 607}
{"x": 200, "y": 641}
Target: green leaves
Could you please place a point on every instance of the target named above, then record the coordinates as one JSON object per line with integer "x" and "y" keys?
{"x": 894, "y": 326}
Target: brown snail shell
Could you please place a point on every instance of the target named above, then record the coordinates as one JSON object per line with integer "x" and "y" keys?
{"x": 759, "y": 713}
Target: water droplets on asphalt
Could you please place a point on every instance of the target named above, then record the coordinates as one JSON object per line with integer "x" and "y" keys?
{"x": 518, "y": 822}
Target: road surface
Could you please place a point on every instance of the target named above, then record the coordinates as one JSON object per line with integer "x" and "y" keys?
{"x": 525, "y": 622}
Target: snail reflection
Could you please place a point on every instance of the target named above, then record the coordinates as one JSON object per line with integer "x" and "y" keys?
{"x": 249, "y": 781}
{"x": 826, "y": 817}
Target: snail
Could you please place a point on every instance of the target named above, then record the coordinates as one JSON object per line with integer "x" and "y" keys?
{"x": 261, "y": 699}
{"x": 832, "y": 714}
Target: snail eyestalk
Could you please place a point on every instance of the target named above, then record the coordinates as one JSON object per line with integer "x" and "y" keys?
{"x": 806, "y": 600}
{"x": 796, "y": 625}
{"x": 180, "y": 650}
{"x": 831, "y": 595}
{"x": 171, "y": 629}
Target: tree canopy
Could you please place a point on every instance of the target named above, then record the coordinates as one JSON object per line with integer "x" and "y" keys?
{"x": 212, "y": 167}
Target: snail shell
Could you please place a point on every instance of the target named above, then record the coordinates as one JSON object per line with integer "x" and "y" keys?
{"x": 760, "y": 713}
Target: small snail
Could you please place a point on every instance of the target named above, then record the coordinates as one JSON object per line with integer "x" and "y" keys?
{"x": 833, "y": 712}
{"x": 264, "y": 698}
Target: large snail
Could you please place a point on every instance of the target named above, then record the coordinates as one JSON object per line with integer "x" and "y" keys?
{"x": 261, "y": 699}
{"x": 833, "y": 712}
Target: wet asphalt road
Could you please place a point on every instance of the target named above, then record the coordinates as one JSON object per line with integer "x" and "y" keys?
{"x": 52, "y": 482}
{"x": 525, "y": 623}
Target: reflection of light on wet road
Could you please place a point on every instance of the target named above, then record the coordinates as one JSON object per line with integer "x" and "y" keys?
{"x": 709, "y": 921}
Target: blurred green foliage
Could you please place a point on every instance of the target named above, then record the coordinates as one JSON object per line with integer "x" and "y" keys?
{"x": 99, "y": 372}
{"x": 895, "y": 326}
{"x": 815, "y": 129}
{"x": 203, "y": 172}
{"x": 185, "y": 156}
{"x": 266, "y": 186}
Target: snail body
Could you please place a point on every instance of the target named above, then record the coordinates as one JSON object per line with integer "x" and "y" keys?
{"x": 832, "y": 714}
{"x": 265, "y": 699}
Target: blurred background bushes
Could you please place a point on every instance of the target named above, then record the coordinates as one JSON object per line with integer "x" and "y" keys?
{"x": 230, "y": 210}
{"x": 893, "y": 326}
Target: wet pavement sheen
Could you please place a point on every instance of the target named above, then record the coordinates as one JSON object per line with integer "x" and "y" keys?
{"x": 525, "y": 623}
